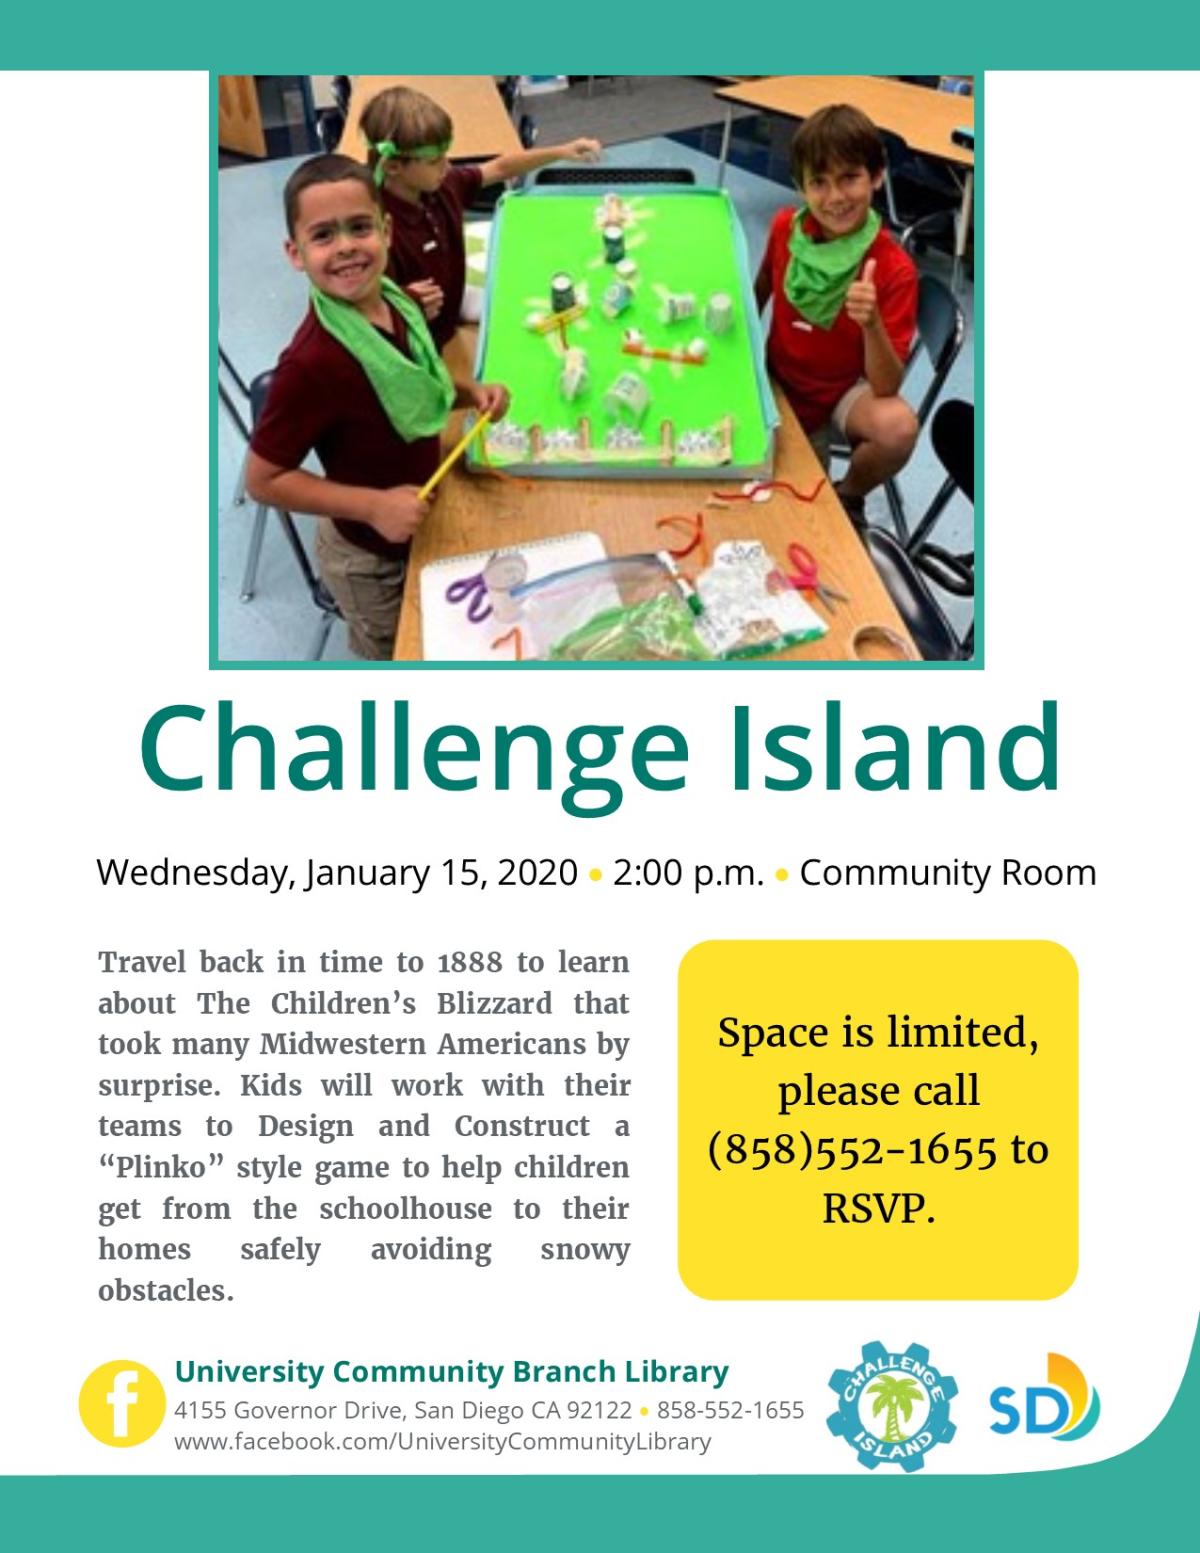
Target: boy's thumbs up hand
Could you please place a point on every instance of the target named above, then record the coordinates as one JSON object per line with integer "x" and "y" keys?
{"x": 862, "y": 302}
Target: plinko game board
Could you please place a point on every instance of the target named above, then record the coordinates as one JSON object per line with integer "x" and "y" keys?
{"x": 623, "y": 322}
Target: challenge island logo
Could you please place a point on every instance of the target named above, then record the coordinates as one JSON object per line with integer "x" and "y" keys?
{"x": 894, "y": 1408}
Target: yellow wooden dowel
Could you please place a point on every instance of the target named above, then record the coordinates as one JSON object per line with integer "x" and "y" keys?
{"x": 454, "y": 455}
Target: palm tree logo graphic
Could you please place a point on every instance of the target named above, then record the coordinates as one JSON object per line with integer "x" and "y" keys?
{"x": 898, "y": 1394}
{"x": 904, "y": 1391}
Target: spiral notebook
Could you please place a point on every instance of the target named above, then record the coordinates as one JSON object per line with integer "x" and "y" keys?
{"x": 448, "y": 636}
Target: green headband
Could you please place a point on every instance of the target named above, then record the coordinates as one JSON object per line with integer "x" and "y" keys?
{"x": 387, "y": 150}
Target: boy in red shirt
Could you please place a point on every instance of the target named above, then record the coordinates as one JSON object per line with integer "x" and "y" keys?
{"x": 845, "y": 302}
{"x": 408, "y": 140}
{"x": 363, "y": 386}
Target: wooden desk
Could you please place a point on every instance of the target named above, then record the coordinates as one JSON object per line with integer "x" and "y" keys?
{"x": 482, "y": 127}
{"x": 924, "y": 119}
{"x": 473, "y": 513}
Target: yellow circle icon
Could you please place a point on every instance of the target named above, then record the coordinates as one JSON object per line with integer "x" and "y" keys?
{"x": 122, "y": 1403}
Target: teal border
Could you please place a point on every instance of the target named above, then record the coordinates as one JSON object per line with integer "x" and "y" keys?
{"x": 977, "y": 662}
{"x": 1141, "y": 1499}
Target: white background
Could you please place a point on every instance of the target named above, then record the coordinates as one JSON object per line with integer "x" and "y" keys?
{"x": 1091, "y": 339}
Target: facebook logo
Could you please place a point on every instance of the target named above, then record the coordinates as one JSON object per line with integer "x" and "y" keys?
{"x": 121, "y": 1398}
{"x": 122, "y": 1403}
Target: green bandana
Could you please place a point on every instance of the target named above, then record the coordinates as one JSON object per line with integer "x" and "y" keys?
{"x": 416, "y": 395}
{"x": 386, "y": 150}
{"x": 820, "y": 274}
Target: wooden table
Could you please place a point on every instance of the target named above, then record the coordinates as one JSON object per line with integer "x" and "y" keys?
{"x": 924, "y": 119}
{"x": 482, "y": 127}
{"x": 473, "y": 513}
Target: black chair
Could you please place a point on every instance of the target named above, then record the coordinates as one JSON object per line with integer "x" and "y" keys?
{"x": 339, "y": 85}
{"x": 941, "y": 330}
{"x": 615, "y": 175}
{"x": 922, "y": 614}
{"x": 232, "y": 370}
{"x": 331, "y": 125}
{"x": 225, "y": 364}
{"x": 904, "y": 570}
{"x": 317, "y": 591}
{"x": 952, "y": 434}
{"x": 921, "y": 198}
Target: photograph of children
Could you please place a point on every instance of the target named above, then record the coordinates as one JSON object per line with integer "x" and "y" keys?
{"x": 554, "y": 370}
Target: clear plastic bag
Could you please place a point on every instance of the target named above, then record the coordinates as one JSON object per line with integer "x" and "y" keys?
{"x": 748, "y": 608}
{"x": 630, "y": 608}
{"x": 637, "y": 608}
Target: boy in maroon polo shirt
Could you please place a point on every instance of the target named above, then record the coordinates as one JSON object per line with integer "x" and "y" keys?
{"x": 845, "y": 302}
{"x": 363, "y": 386}
{"x": 408, "y": 139}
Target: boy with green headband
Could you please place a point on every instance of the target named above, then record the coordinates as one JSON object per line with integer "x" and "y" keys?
{"x": 408, "y": 139}
{"x": 363, "y": 386}
{"x": 844, "y": 297}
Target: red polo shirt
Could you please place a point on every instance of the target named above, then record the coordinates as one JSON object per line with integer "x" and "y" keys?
{"x": 427, "y": 243}
{"x": 817, "y": 366}
{"x": 322, "y": 401}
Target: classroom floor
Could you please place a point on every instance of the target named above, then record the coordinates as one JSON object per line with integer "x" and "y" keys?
{"x": 261, "y": 300}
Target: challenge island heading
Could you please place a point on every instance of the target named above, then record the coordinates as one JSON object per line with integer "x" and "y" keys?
{"x": 184, "y": 750}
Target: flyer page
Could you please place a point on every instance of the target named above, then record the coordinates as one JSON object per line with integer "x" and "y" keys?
{"x": 599, "y": 807}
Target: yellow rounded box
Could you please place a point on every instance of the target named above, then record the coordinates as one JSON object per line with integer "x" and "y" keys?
{"x": 878, "y": 1120}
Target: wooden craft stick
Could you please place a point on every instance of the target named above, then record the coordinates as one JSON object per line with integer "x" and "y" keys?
{"x": 559, "y": 320}
{"x": 452, "y": 458}
{"x": 659, "y": 353}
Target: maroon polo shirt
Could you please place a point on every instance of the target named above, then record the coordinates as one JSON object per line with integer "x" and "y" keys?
{"x": 321, "y": 401}
{"x": 427, "y": 243}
